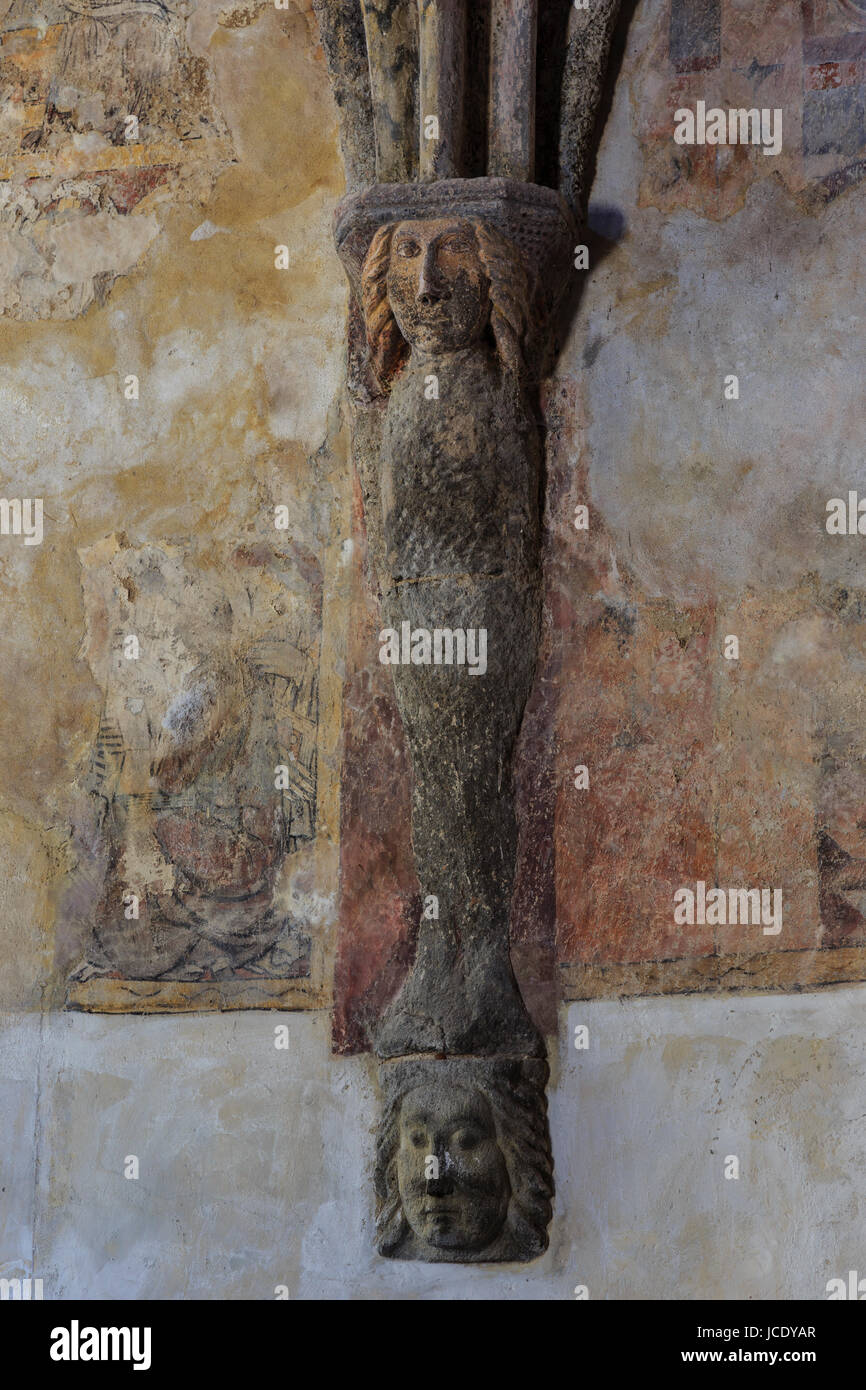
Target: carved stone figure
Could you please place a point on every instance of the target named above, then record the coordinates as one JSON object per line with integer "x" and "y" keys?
{"x": 455, "y": 315}
{"x": 450, "y": 301}
{"x": 456, "y": 281}
{"x": 459, "y": 486}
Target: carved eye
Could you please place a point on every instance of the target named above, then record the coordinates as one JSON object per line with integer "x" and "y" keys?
{"x": 467, "y": 1139}
{"x": 458, "y": 244}
{"x": 408, "y": 249}
{"x": 418, "y": 1139}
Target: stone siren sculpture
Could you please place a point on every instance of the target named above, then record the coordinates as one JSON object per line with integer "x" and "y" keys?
{"x": 457, "y": 262}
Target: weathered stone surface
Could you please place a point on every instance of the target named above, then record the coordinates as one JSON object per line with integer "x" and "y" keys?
{"x": 442, "y": 82}
{"x": 341, "y": 26}
{"x": 513, "y": 38}
{"x": 590, "y": 31}
{"x": 391, "y": 32}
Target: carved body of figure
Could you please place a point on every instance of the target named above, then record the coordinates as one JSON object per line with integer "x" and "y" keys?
{"x": 446, "y": 305}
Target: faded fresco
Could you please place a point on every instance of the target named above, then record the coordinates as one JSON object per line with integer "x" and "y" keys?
{"x": 105, "y": 116}
{"x": 180, "y": 788}
{"x": 806, "y": 58}
{"x": 202, "y": 787}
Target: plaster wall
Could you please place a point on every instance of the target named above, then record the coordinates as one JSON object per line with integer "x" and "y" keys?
{"x": 254, "y": 1163}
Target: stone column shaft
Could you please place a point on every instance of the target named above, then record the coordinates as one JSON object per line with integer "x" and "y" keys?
{"x": 511, "y": 125}
{"x": 392, "y": 35}
{"x": 442, "y": 84}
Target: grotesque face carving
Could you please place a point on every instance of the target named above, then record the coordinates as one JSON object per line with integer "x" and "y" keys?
{"x": 451, "y": 1172}
{"x": 437, "y": 286}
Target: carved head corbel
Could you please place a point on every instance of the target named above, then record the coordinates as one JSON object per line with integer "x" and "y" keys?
{"x": 438, "y": 268}
{"x": 439, "y": 285}
{"x": 464, "y": 1171}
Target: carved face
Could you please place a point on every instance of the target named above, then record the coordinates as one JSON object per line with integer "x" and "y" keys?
{"x": 437, "y": 287}
{"x": 451, "y": 1172}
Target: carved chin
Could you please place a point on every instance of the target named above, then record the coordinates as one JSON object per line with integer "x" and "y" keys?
{"x": 446, "y": 1235}
{"x": 445, "y": 330}
{"x": 453, "y": 1229}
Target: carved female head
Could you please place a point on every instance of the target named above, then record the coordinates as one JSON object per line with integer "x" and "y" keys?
{"x": 463, "y": 1170}
{"x": 451, "y": 1172}
{"x": 435, "y": 286}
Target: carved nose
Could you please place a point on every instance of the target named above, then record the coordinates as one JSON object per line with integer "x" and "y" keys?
{"x": 432, "y": 294}
{"x": 442, "y": 1185}
{"x": 431, "y": 290}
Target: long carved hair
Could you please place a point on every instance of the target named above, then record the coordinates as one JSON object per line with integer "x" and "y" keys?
{"x": 514, "y": 1089}
{"x": 509, "y": 302}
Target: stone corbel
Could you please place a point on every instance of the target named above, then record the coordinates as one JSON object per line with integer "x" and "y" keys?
{"x": 455, "y": 282}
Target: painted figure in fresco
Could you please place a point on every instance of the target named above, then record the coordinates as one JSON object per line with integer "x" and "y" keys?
{"x": 204, "y": 843}
{"x": 203, "y": 780}
{"x": 119, "y": 52}
{"x": 121, "y": 59}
